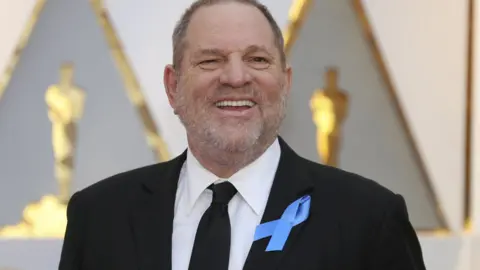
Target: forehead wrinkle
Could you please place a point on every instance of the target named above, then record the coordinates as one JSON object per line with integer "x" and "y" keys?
{"x": 202, "y": 26}
{"x": 218, "y": 51}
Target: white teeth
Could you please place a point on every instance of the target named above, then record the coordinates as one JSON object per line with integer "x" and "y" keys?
{"x": 237, "y": 103}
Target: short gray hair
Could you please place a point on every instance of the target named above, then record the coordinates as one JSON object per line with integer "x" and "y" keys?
{"x": 179, "y": 33}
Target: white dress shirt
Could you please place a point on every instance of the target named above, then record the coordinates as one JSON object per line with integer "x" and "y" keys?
{"x": 245, "y": 210}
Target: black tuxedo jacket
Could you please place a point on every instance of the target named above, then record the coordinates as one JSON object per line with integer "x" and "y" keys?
{"x": 125, "y": 222}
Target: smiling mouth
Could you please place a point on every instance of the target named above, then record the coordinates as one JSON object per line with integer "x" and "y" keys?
{"x": 235, "y": 104}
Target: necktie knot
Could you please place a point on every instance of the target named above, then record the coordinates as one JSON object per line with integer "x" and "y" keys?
{"x": 211, "y": 249}
{"x": 223, "y": 192}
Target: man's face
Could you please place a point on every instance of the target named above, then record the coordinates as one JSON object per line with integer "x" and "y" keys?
{"x": 231, "y": 88}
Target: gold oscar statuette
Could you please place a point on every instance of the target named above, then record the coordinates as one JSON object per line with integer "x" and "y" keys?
{"x": 329, "y": 108}
{"x": 47, "y": 218}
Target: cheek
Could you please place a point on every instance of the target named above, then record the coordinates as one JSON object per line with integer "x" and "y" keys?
{"x": 272, "y": 89}
{"x": 200, "y": 87}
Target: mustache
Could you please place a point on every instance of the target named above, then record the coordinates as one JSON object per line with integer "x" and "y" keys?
{"x": 230, "y": 92}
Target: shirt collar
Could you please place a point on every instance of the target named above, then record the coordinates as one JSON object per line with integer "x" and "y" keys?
{"x": 253, "y": 182}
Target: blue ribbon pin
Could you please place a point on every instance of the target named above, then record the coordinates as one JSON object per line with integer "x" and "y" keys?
{"x": 296, "y": 213}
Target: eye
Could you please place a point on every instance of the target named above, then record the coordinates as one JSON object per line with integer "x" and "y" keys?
{"x": 209, "y": 63}
{"x": 259, "y": 59}
{"x": 259, "y": 62}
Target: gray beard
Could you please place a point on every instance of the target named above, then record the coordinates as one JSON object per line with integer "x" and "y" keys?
{"x": 216, "y": 143}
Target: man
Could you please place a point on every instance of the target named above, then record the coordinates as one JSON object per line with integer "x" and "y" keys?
{"x": 239, "y": 197}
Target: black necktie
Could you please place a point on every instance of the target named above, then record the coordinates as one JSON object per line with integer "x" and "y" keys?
{"x": 211, "y": 250}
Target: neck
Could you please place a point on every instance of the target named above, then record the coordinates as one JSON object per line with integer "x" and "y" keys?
{"x": 224, "y": 163}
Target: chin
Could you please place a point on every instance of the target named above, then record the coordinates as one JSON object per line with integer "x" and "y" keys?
{"x": 236, "y": 142}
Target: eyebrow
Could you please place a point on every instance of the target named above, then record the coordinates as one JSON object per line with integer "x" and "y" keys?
{"x": 210, "y": 51}
{"x": 214, "y": 51}
{"x": 256, "y": 48}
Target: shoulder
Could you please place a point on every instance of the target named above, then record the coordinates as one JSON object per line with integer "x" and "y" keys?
{"x": 352, "y": 192}
{"x": 122, "y": 180}
{"x": 118, "y": 189}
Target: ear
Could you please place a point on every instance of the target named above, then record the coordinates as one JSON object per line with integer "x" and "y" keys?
{"x": 170, "y": 81}
{"x": 288, "y": 78}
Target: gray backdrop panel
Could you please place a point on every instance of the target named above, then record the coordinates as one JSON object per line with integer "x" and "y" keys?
{"x": 375, "y": 144}
{"x": 110, "y": 135}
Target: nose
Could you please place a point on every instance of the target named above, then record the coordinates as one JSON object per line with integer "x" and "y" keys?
{"x": 235, "y": 73}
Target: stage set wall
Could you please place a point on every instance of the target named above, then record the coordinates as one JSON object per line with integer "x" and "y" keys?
{"x": 405, "y": 64}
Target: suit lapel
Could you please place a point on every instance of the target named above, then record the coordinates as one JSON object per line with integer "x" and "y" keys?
{"x": 152, "y": 215}
{"x": 291, "y": 182}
